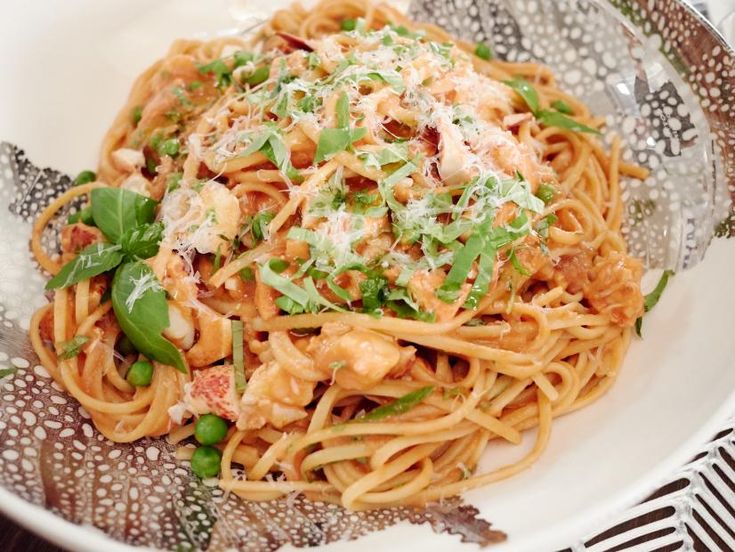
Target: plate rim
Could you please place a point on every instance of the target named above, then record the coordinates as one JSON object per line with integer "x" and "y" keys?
{"x": 86, "y": 537}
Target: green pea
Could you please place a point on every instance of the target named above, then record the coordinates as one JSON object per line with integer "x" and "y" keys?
{"x": 348, "y": 24}
{"x": 169, "y": 147}
{"x": 125, "y": 346}
{"x": 85, "y": 177}
{"x": 545, "y": 193}
{"x": 483, "y": 51}
{"x": 205, "y": 462}
{"x": 260, "y": 75}
{"x": 140, "y": 374}
{"x": 210, "y": 429}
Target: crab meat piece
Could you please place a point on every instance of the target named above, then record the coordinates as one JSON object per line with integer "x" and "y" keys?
{"x": 357, "y": 358}
{"x": 207, "y": 220}
{"x": 213, "y": 391}
{"x": 137, "y": 183}
{"x": 453, "y": 154}
{"x": 128, "y": 159}
{"x": 274, "y": 396}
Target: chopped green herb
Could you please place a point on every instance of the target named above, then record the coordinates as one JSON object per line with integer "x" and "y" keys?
{"x": 247, "y": 274}
{"x": 526, "y": 91}
{"x": 651, "y": 299}
{"x": 238, "y": 355}
{"x": 399, "y": 406}
{"x": 260, "y": 224}
{"x": 562, "y": 107}
{"x": 137, "y": 114}
{"x": 483, "y": 51}
{"x": 70, "y": 349}
{"x": 517, "y": 264}
{"x": 283, "y": 285}
{"x": 374, "y": 293}
{"x": 334, "y": 140}
{"x": 217, "y": 263}
{"x": 545, "y": 193}
{"x": 559, "y": 120}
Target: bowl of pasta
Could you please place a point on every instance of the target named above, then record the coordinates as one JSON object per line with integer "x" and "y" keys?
{"x": 342, "y": 274}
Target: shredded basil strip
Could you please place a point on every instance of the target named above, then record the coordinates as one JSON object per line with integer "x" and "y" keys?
{"x": 283, "y": 285}
{"x": 399, "y": 406}
{"x": 460, "y": 268}
{"x": 651, "y": 299}
{"x": 238, "y": 355}
{"x": 334, "y": 140}
{"x": 559, "y": 120}
{"x": 526, "y": 91}
{"x": 70, "y": 349}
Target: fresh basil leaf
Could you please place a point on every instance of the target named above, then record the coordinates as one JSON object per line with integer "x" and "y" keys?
{"x": 142, "y": 241}
{"x": 116, "y": 211}
{"x": 399, "y": 406}
{"x": 526, "y": 91}
{"x": 140, "y": 307}
{"x": 559, "y": 120}
{"x": 70, "y": 349}
{"x": 259, "y": 228}
{"x": 93, "y": 260}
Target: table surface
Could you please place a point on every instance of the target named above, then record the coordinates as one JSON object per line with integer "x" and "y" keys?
{"x": 14, "y": 538}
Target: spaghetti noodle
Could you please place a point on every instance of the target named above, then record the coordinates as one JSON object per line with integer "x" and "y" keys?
{"x": 365, "y": 245}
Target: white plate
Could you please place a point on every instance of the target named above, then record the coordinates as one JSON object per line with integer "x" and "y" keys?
{"x": 68, "y": 67}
